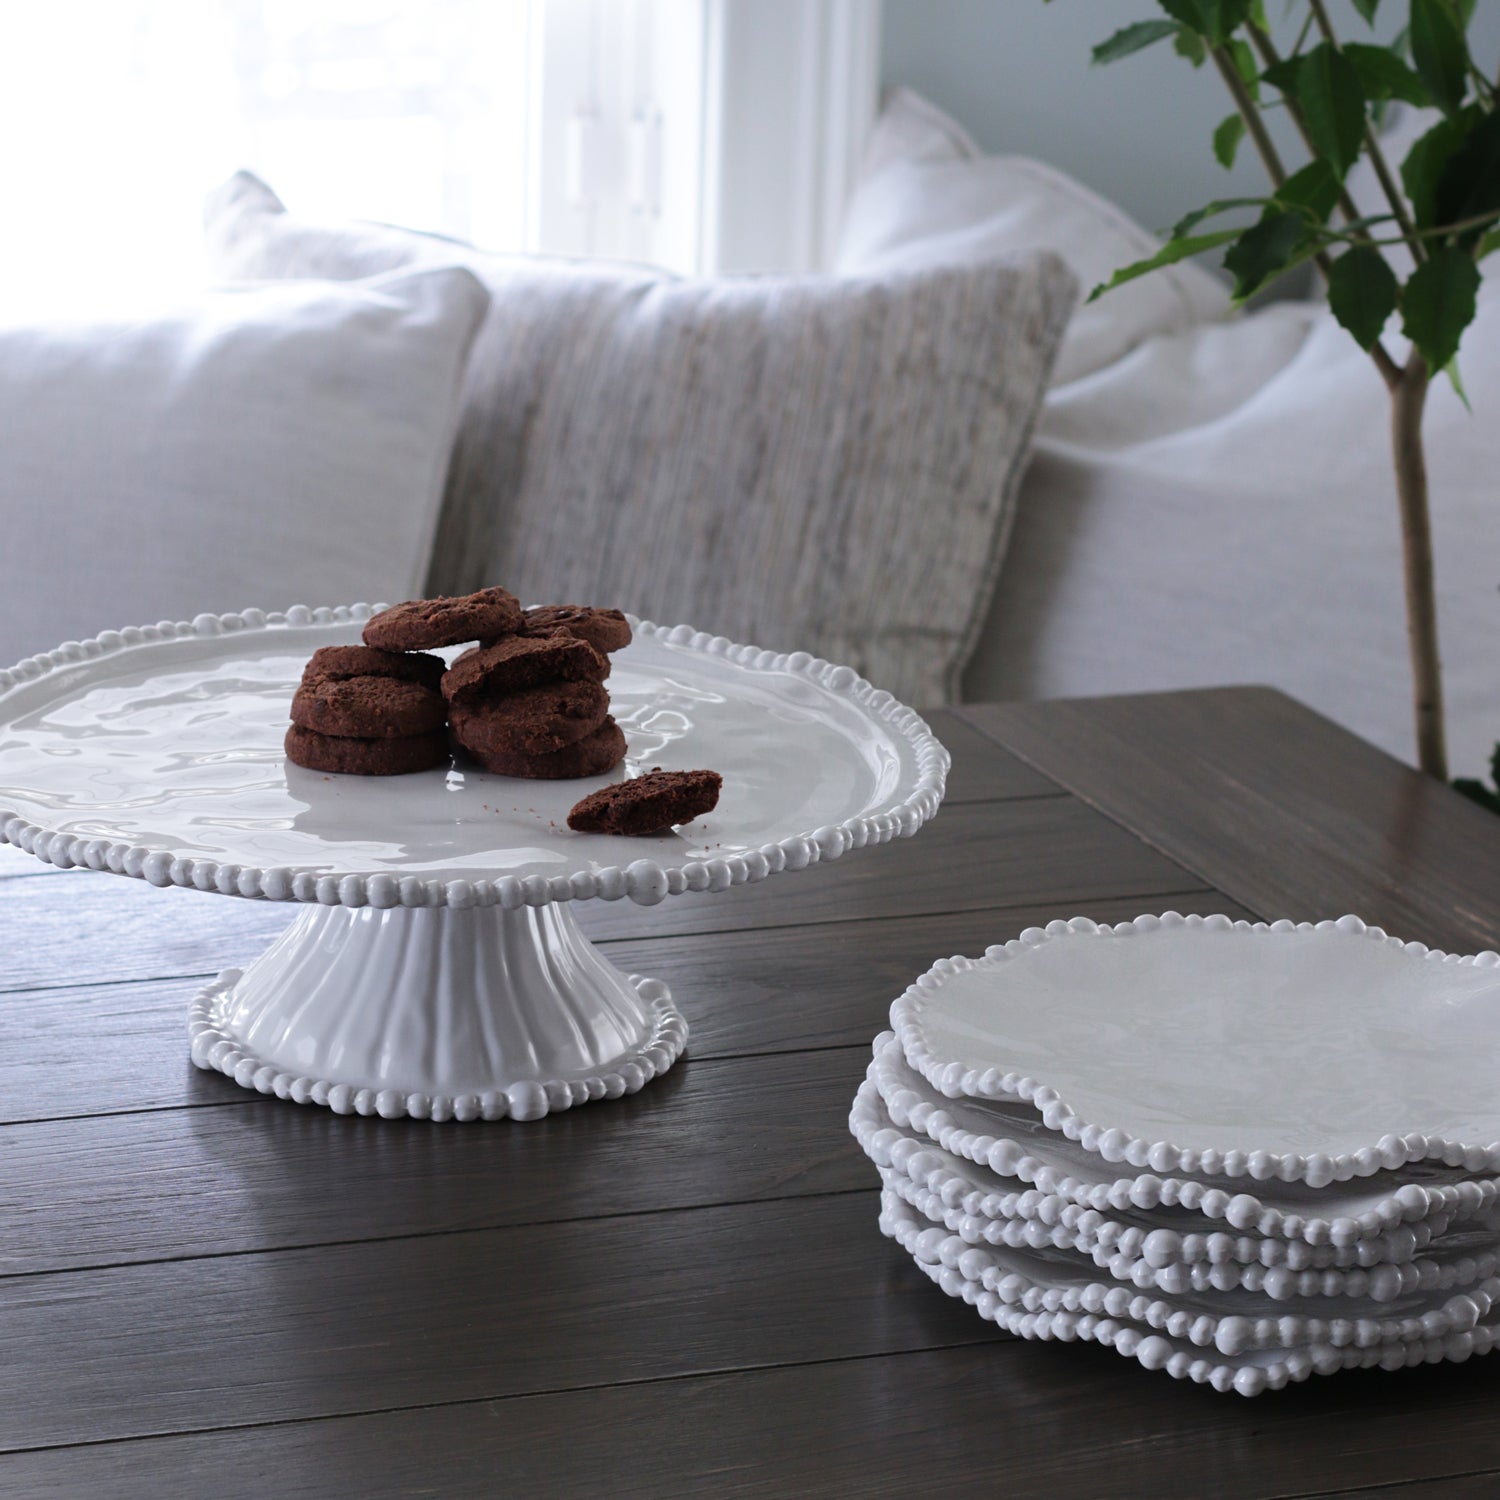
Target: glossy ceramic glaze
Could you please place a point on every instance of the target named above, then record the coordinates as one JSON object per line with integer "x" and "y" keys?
{"x": 440, "y": 1014}
{"x": 1231, "y": 1322}
{"x": 1160, "y": 1341}
{"x": 1292, "y": 1052}
{"x": 437, "y": 972}
{"x": 162, "y": 757}
{"x": 1156, "y": 1249}
{"x": 1385, "y": 1216}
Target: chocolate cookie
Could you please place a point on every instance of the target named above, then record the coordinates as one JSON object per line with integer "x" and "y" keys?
{"x": 357, "y": 757}
{"x": 423, "y": 624}
{"x": 336, "y": 663}
{"x": 647, "y": 804}
{"x": 604, "y": 629}
{"x": 522, "y": 661}
{"x": 535, "y": 721}
{"x": 368, "y": 708}
{"x": 593, "y": 755}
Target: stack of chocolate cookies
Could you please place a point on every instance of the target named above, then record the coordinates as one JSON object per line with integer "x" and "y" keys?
{"x": 365, "y": 712}
{"x": 532, "y": 703}
{"x": 378, "y": 709}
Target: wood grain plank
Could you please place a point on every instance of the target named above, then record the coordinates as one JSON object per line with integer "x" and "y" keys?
{"x": 91, "y": 927}
{"x": 1275, "y": 805}
{"x": 1013, "y": 1418}
{"x": 88, "y": 928}
{"x": 981, "y": 770}
{"x": 101, "y": 1049}
{"x": 197, "y": 1344}
{"x": 983, "y": 855}
{"x": 131, "y": 1188}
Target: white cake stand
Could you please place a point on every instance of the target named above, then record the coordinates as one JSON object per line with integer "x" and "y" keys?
{"x": 435, "y": 968}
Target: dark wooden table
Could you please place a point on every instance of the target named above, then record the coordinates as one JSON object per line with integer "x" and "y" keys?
{"x": 203, "y": 1292}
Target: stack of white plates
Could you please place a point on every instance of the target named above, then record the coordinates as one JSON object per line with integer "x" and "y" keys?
{"x": 1241, "y": 1153}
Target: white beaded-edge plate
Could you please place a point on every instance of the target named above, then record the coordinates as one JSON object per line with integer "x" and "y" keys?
{"x": 1370, "y": 1219}
{"x": 1289, "y": 1051}
{"x": 1233, "y": 1322}
{"x": 944, "y": 1259}
{"x": 962, "y": 1198}
{"x": 157, "y": 752}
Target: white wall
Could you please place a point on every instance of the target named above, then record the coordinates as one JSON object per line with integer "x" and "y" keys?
{"x": 1016, "y": 73}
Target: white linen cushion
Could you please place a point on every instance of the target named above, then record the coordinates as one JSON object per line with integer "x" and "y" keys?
{"x": 807, "y": 463}
{"x": 270, "y": 446}
{"x": 1218, "y": 506}
{"x": 927, "y": 197}
{"x": 1260, "y": 545}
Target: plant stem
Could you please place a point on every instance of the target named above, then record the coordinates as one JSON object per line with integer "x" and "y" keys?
{"x": 1408, "y": 399}
{"x": 1390, "y": 371}
{"x": 1408, "y": 388}
{"x": 1347, "y": 206}
{"x": 1388, "y": 183}
{"x": 1254, "y": 125}
{"x": 1361, "y": 234}
{"x": 1393, "y": 195}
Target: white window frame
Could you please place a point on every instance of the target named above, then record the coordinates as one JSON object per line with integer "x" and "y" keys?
{"x": 703, "y": 135}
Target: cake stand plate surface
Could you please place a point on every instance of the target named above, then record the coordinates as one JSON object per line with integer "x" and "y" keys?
{"x": 435, "y": 968}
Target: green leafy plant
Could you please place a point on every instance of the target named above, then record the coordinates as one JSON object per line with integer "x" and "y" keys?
{"x": 1477, "y": 791}
{"x": 1445, "y": 207}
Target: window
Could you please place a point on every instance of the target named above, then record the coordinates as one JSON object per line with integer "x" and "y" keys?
{"x": 696, "y": 134}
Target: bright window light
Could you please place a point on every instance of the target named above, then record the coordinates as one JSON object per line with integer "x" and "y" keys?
{"x": 119, "y": 115}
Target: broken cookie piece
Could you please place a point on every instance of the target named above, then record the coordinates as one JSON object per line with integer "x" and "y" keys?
{"x": 648, "y": 803}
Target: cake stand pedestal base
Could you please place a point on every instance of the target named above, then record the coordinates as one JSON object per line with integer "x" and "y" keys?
{"x": 438, "y": 1013}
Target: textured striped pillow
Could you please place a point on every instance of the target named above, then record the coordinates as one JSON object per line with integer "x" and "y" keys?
{"x": 813, "y": 463}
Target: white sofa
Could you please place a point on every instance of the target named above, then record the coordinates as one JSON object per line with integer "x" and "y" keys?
{"x": 1210, "y": 498}
{"x": 1209, "y": 501}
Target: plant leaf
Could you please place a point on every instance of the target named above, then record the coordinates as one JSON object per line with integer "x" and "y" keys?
{"x": 1264, "y": 250}
{"x": 1190, "y": 45}
{"x": 1227, "y": 137}
{"x": 1223, "y": 17}
{"x": 1382, "y": 75}
{"x": 1258, "y": 15}
{"x": 1333, "y": 103}
{"x": 1426, "y": 162}
{"x": 1213, "y": 20}
{"x": 1456, "y": 381}
{"x": 1469, "y": 185}
{"x": 1488, "y": 245}
{"x": 1283, "y": 75}
{"x": 1245, "y": 65}
{"x": 1169, "y": 254}
{"x": 1210, "y": 210}
{"x": 1129, "y": 39}
{"x": 1313, "y": 188}
{"x": 1185, "y": 11}
{"x": 1439, "y": 53}
{"x": 1438, "y": 304}
{"x": 1362, "y": 293}
{"x": 1366, "y": 8}
{"x": 1476, "y": 791}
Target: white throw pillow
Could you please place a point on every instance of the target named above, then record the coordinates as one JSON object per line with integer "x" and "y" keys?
{"x": 813, "y": 463}
{"x": 269, "y": 446}
{"x": 927, "y": 197}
